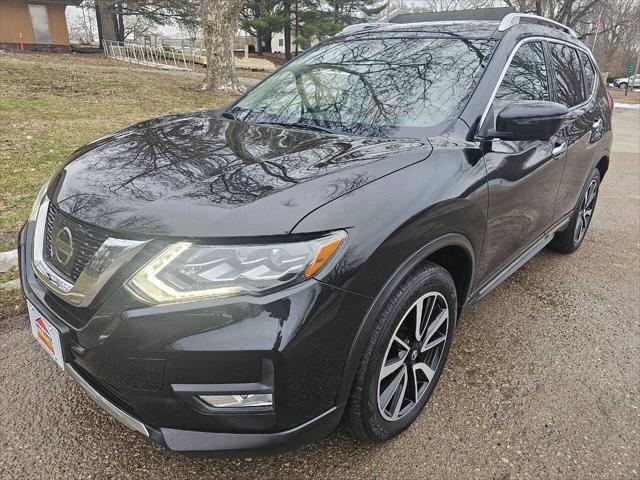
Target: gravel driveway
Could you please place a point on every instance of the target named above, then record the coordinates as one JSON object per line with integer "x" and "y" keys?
{"x": 542, "y": 382}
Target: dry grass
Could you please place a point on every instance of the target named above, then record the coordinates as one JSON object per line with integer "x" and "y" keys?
{"x": 52, "y": 104}
{"x": 619, "y": 96}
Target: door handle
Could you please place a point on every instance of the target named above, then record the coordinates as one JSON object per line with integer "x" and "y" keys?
{"x": 597, "y": 124}
{"x": 559, "y": 149}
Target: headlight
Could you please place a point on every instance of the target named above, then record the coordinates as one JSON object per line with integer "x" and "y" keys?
{"x": 38, "y": 201}
{"x": 185, "y": 272}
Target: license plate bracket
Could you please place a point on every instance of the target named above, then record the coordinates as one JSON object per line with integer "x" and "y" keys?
{"x": 46, "y": 335}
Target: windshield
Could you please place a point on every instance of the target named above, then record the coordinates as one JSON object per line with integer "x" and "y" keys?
{"x": 371, "y": 87}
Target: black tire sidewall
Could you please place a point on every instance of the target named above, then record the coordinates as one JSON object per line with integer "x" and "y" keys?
{"x": 430, "y": 279}
{"x": 595, "y": 174}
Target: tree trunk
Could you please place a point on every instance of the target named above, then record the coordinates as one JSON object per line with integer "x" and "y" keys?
{"x": 107, "y": 23}
{"x": 267, "y": 38}
{"x": 259, "y": 44}
{"x": 120, "y": 24}
{"x": 99, "y": 23}
{"x": 220, "y": 24}
{"x": 287, "y": 29}
{"x": 297, "y": 26}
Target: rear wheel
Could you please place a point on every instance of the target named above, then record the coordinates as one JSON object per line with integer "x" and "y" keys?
{"x": 405, "y": 355}
{"x": 570, "y": 239}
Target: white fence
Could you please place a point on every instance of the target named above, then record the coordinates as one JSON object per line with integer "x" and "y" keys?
{"x": 175, "y": 58}
{"x": 161, "y": 56}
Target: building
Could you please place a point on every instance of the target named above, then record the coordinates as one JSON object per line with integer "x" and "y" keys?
{"x": 277, "y": 43}
{"x": 38, "y": 25}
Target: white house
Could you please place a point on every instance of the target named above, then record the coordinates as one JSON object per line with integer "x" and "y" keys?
{"x": 277, "y": 43}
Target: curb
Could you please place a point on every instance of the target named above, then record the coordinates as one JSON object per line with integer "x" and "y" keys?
{"x": 8, "y": 260}
{"x": 628, "y": 106}
{"x": 10, "y": 285}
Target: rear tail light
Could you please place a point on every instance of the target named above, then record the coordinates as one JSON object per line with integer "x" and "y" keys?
{"x": 610, "y": 100}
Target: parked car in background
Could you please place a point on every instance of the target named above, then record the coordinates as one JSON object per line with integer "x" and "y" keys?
{"x": 632, "y": 82}
{"x": 243, "y": 279}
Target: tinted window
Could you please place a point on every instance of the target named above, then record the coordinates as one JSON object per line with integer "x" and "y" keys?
{"x": 526, "y": 77}
{"x": 567, "y": 74}
{"x": 589, "y": 73}
{"x": 376, "y": 87}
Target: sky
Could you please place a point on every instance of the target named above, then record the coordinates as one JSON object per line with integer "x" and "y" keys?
{"x": 74, "y": 15}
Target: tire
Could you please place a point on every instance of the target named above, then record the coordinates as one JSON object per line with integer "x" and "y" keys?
{"x": 622, "y": 85}
{"x": 367, "y": 415}
{"x": 570, "y": 239}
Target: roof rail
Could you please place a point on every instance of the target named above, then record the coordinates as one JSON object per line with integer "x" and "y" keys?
{"x": 513, "y": 19}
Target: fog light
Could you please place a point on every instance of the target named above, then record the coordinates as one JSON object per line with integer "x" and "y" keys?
{"x": 238, "y": 401}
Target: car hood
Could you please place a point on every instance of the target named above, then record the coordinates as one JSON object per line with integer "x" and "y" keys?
{"x": 199, "y": 175}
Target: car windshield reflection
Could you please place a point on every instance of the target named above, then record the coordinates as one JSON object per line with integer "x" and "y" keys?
{"x": 369, "y": 87}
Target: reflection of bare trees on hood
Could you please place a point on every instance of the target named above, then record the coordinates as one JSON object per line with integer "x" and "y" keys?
{"x": 212, "y": 161}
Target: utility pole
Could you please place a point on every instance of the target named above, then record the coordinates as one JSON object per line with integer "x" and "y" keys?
{"x": 632, "y": 77}
{"x": 593, "y": 47}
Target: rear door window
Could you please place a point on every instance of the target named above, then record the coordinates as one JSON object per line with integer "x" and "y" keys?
{"x": 568, "y": 75}
{"x": 589, "y": 74}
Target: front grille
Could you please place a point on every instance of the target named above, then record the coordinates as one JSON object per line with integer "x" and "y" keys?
{"x": 85, "y": 243}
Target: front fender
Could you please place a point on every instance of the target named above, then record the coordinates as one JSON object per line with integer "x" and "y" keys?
{"x": 395, "y": 216}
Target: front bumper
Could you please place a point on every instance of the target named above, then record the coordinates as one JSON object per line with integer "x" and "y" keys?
{"x": 120, "y": 415}
{"x": 214, "y": 443}
{"x": 146, "y": 365}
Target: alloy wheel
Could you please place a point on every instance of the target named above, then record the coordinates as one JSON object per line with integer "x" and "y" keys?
{"x": 586, "y": 211}
{"x": 413, "y": 356}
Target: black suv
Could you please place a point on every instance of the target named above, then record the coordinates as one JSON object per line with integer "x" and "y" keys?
{"x": 243, "y": 279}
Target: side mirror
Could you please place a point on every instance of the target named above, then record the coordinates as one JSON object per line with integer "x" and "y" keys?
{"x": 528, "y": 120}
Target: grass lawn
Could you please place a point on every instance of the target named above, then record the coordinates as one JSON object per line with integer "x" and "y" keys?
{"x": 619, "y": 96}
{"x": 52, "y": 104}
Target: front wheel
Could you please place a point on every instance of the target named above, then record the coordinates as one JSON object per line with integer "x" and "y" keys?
{"x": 405, "y": 355}
{"x": 570, "y": 239}
{"x": 623, "y": 85}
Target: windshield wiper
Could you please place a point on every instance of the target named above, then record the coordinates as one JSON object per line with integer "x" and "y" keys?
{"x": 302, "y": 126}
{"x": 229, "y": 115}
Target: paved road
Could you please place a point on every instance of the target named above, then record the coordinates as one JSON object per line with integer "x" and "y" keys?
{"x": 542, "y": 382}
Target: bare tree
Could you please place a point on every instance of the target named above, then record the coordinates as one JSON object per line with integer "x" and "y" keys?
{"x": 616, "y": 21}
{"x": 618, "y": 35}
{"x": 220, "y": 24}
{"x": 569, "y": 12}
{"x": 79, "y": 24}
{"x": 448, "y": 5}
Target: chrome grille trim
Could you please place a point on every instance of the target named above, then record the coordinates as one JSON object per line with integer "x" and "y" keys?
{"x": 89, "y": 240}
{"x": 100, "y": 267}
